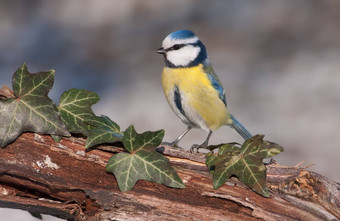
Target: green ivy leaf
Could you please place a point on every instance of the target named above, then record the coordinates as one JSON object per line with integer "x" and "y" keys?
{"x": 56, "y": 138}
{"x": 246, "y": 163}
{"x": 31, "y": 109}
{"x": 106, "y": 131}
{"x": 75, "y": 109}
{"x": 142, "y": 161}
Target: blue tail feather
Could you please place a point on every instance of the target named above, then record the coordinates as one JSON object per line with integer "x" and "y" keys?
{"x": 240, "y": 128}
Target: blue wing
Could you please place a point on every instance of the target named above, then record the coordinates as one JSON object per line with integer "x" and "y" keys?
{"x": 215, "y": 82}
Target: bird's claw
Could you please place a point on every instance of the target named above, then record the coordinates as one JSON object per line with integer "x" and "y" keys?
{"x": 197, "y": 147}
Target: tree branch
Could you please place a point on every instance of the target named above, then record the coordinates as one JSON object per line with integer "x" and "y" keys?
{"x": 64, "y": 180}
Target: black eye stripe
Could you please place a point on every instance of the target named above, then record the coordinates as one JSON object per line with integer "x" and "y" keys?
{"x": 175, "y": 47}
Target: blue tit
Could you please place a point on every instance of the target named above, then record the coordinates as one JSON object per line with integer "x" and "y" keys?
{"x": 192, "y": 88}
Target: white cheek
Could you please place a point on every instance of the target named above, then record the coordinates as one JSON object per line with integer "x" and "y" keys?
{"x": 183, "y": 56}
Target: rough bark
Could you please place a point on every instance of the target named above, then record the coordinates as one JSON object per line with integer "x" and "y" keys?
{"x": 64, "y": 180}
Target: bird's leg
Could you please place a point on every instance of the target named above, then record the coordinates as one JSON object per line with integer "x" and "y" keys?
{"x": 204, "y": 144}
{"x": 175, "y": 142}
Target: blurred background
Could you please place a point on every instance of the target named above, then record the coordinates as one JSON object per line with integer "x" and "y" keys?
{"x": 279, "y": 62}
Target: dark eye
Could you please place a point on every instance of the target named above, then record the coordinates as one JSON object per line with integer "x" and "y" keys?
{"x": 176, "y": 47}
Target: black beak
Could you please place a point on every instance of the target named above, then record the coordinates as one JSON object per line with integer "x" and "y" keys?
{"x": 160, "y": 51}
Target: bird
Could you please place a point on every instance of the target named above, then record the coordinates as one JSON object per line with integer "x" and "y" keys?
{"x": 193, "y": 89}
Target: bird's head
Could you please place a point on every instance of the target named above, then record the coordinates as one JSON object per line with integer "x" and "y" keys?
{"x": 183, "y": 49}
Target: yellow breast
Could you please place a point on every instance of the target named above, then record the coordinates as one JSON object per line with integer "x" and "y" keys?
{"x": 200, "y": 97}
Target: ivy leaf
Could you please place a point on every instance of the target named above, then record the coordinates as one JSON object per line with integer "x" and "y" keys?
{"x": 75, "y": 109}
{"x": 142, "y": 162}
{"x": 31, "y": 109}
{"x": 106, "y": 131}
{"x": 56, "y": 138}
{"x": 246, "y": 163}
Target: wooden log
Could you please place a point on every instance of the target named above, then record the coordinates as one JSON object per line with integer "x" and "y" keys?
{"x": 64, "y": 180}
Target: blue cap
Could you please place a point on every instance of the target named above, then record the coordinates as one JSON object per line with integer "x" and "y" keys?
{"x": 182, "y": 34}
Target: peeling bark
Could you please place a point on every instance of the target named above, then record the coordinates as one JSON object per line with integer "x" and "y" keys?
{"x": 64, "y": 180}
